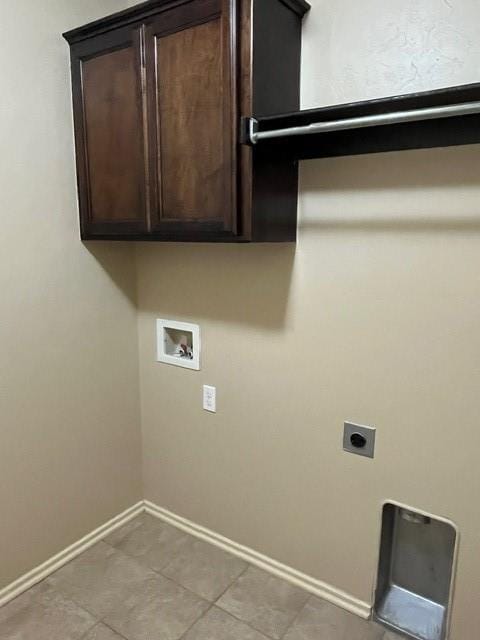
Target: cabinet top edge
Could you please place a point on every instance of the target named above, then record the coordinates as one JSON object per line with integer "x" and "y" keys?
{"x": 145, "y": 10}
{"x": 125, "y": 16}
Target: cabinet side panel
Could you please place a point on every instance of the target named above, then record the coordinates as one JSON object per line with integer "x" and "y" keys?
{"x": 190, "y": 111}
{"x": 276, "y": 58}
{"x": 275, "y": 196}
{"x": 276, "y": 89}
{"x": 113, "y": 117}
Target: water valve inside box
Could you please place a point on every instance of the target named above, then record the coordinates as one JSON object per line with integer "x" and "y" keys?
{"x": 178, "y": 343}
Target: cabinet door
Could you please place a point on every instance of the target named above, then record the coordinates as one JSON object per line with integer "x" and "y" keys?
{"x": 109, "y": 132}
{"x": 191, "y": 114}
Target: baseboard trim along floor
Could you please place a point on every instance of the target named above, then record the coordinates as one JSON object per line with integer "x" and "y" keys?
{"x": 43, "y": 570}
{"x": 310, "y": 584}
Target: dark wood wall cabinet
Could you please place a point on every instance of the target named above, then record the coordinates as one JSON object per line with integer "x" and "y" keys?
{"x": 159, "y": 92}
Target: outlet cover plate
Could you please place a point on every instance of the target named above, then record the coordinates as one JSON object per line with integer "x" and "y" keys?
{"x": 368, "y": 433}
{"x": 209, "y": 398}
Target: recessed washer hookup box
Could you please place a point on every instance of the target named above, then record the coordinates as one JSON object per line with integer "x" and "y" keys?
{"x": 178, "y": 343}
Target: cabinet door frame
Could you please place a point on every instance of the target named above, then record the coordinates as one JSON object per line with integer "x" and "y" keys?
{"x": 174, "y": 19}
{"x": 117, "y": 39}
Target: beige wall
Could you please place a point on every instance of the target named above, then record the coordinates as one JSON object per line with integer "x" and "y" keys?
{"x": 69, "y": 426}
{"x": 373, "y": 317}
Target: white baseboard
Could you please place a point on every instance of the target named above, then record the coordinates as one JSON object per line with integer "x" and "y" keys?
{"x": 312, "y": 585}
{"x": 46, "y": 568}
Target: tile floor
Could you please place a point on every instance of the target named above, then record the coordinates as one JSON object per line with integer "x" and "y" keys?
{"x": 150, "y": 581}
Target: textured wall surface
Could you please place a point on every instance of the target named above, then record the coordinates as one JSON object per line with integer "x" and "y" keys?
{"x": 69, "y": 419}
{"x": 375, "y": 48}
{"x": 372, "y": 317}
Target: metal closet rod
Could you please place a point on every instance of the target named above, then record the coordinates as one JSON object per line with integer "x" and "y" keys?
{"x": 378, "y": 120}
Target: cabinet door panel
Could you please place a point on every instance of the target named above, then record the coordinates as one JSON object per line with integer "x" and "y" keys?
{"x": 190, "y": 106}
{"x": 110, "y": 135}
{"x": 191, "y": 102}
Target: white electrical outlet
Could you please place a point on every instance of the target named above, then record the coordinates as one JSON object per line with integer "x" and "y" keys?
{"x": 209, "y": 398}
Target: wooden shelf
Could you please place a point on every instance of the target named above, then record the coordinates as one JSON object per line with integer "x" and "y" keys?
{"x": 437, "y": 132}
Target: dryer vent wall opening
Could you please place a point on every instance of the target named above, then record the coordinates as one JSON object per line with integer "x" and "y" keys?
{"x": 415, "y": 573}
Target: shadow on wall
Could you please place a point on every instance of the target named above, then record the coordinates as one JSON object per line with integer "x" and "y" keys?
{"x": 242, "y": 284}
{"x": 414, "y": 191}
{"x": 425, "y": 191}
{"x": 117, "y": 259}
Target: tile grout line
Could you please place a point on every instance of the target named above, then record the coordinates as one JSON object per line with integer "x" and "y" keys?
{"x": 179, "y": 584}
{"x": 308, "y": 583}
{"x": 212, "y": 603}
{"x": 159, "y": 572}
{"x": 247, "y": 624}
{"x": 66, "y": 598}
{"x": 295, "y": 618}
{"x": 184, "y": 634}
{"x": 114, "y": 630}
{"x": 215, "y": 602}
{"x": 232, "y": 614}
{"x": 248, "y": 565}
{"x": 77, "y": 605}
{"x": 98, "y": 622}
{"x": 250, "y": 626}
{"x": 69, "y": 598}
{"x": 84, "y": 635}
{"x": 72, "y": 598}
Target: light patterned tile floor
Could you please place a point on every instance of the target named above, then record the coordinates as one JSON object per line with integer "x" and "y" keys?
{"x": 150, "y": 581}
